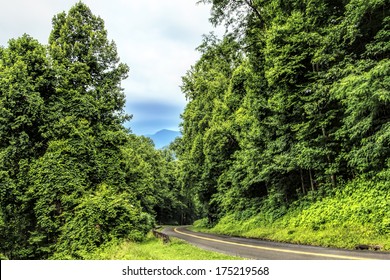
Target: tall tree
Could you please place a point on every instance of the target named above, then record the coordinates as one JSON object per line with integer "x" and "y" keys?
{"x": 205, "y": 86}
{"x": 24, "y": 89}
{"x": 63, "y": 165}
{"x": 306, "y": 109}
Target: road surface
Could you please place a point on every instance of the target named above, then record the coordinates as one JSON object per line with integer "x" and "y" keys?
{"x": 267, "y": 250}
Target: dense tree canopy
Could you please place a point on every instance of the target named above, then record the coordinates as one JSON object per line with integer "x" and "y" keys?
{"x": 71, "y": 176}
{"x": 294, "y": 99}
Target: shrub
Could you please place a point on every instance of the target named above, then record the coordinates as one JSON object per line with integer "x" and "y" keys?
{"x": 100, "y": 218}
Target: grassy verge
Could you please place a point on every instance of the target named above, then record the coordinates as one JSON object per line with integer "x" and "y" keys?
{"x": 356, "y": 214}
{"x": 154, "y": 249}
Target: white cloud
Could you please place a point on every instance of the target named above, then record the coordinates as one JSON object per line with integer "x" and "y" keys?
{"x": 156, "y": 38}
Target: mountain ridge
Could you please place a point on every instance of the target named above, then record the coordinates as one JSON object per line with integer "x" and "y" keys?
{"x": 163, "y": 137}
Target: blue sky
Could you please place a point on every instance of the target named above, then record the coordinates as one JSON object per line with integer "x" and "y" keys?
{"x": 151, "y": 116}
{"x": 156, "y": 38}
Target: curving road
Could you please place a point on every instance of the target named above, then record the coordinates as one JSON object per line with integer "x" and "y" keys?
{"x": 267, "y": 250}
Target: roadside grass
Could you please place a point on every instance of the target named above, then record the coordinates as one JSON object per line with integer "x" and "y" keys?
{"x": 338, "y": 237}
{"x": 356, "y": 214}
{"x": 154, "y": 249}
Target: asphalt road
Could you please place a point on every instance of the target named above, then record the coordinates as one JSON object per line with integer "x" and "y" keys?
{"x": 266, "y": 250}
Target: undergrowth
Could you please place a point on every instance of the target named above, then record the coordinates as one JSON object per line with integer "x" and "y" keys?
{"x": 359, "y": 213}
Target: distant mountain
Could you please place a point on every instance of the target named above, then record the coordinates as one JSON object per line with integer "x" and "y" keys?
{"x": 164, "y": 137}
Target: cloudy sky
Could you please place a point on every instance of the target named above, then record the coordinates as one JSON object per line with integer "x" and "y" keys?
{"x": 156, "y": 38}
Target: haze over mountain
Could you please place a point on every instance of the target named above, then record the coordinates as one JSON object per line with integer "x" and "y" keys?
{"x": 164, "y": 137}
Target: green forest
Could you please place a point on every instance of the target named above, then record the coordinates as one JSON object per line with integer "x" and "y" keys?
{"x": 285, "y": 135}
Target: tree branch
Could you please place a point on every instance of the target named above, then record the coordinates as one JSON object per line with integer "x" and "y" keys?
{"x": 252, "y": 6}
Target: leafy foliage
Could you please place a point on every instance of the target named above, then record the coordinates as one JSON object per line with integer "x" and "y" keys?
{"x": 301, "y": 110}
{"x": 72, "y": 178}
{"x": 99, "y": 218}
{"x": 357, "y": 214}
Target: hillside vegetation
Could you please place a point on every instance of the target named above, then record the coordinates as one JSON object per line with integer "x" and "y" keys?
{"x": 286, "y": 133}
{"x": 356, "y": 214}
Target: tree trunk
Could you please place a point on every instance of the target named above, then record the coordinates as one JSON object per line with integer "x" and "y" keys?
{"x": 303, "y": 183}
{"x": 311, "y": 180}
{"x": 332, "y": 176}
